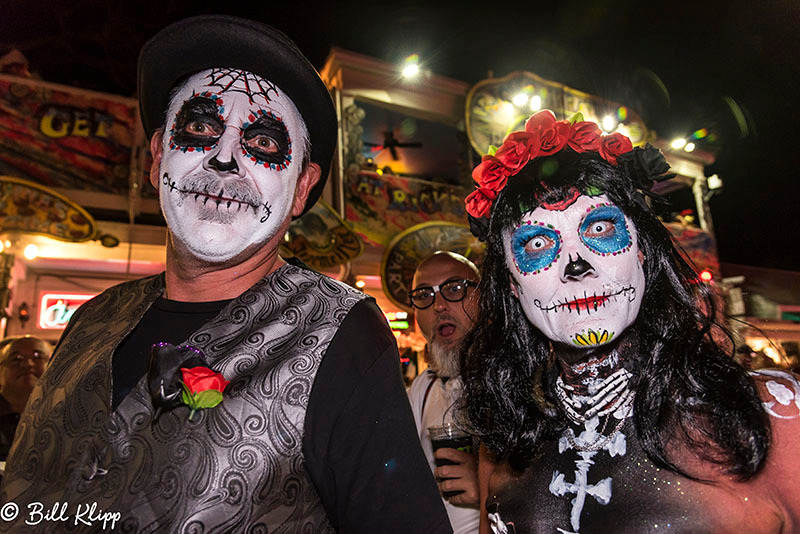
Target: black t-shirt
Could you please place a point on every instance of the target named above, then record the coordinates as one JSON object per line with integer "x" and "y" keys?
{"x": 168, "y": 321}
{"x": 360, "y": 445}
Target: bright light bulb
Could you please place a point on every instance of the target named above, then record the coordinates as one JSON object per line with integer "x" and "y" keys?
{"x": 360, "y": 284}
{"x": 410, "y": 70}
{"x": 520, "y": 100}
{"x": 678, "y": 143}
{"x": 536, "y": 103}
{"x": 8, "y": 243}
{"x": 689, "y": 147}
{"x": 609, "y": 123}
{"x": 31, "y": 251}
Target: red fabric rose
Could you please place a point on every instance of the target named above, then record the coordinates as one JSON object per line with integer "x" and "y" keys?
{"x": 479, "y": 202}
{"x": 554, "y": 139}
{"x": 517, "y": 150}
{"x": 491, "y": 173}
{"x": 553, "y": 134}
{"x": 539, "y": 121}
{"x": 199, "y": 379}
{"x": 613, "y": 146}
{"x": 585, "y": 137}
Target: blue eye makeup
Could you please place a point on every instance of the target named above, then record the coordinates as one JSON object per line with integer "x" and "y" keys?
{"x": 535, "y": 246}
{"x": 605, "y": 231}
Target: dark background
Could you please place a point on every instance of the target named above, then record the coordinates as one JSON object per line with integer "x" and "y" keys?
{"x": 731, "y": 67}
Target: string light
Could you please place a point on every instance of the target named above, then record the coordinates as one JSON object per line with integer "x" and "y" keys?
{"x": 411, "y": 66}
{"x": 31, "y": 251}
{"x": 609, "y": 123}
{"x": 678, "y": 143}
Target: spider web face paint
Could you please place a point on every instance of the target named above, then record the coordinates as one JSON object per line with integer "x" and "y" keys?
{"x": 241, "y": 81}
{"x": 229, "y": 166}
{"x": 594, "y": 300}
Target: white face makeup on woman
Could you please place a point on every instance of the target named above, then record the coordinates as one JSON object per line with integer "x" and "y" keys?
{"x": 232, "y": 152}
{"x": 577, "y": 271}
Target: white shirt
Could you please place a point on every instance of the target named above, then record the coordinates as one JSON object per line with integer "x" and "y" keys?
{"x": 436, "y": 412}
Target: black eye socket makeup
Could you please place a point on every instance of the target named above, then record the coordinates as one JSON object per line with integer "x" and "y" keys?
{"x": 198, "y": 123}
{"x": 267, "y": 140}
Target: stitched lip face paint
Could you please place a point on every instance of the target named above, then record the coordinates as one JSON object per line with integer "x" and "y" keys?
{"x": 577, "y": 271}
{"x": 232, "y": 153}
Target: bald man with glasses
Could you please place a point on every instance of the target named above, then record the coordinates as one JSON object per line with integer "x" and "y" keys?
{"x": 445, "y": 302}
{"x": 22, "y": 362}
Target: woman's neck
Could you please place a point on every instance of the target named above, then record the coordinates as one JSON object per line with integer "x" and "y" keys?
{"x": 580, "y": 369}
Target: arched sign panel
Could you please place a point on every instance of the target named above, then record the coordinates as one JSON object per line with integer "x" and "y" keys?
{"x": 498, "y": 106}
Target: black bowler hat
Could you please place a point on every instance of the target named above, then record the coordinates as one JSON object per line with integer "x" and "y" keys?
{"x": 210, "y": 41}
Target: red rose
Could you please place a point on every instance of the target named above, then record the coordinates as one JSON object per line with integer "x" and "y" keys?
{"x": 491, "y": 173}
{"x": 518, "y": 149}
{"x": 479, "y": 202}
{"x": 539, "y": 121}
{"x": 554, "y": 139}
{"x": 613, "y": 146}
{"x": 199, "y": 379}
{"x": 585, "y": 137}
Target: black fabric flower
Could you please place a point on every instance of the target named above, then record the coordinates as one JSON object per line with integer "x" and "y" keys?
{"x": 479, "y": 226}
{"x": 646, "y": 166}
{"x": 163, "y": 373}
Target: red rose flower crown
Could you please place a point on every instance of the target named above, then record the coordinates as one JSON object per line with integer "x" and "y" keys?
{"x": 544, "y": 136}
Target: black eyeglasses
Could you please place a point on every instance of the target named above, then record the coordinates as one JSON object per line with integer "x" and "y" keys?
{"x": 452, "y": 290}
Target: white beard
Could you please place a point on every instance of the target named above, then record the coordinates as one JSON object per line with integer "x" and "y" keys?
{"x": 444, "y": 360}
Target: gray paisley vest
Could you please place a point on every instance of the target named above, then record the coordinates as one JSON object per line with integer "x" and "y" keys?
{"x": 237, "y": 467}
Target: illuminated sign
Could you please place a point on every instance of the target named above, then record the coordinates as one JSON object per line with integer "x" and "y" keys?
{"x": 397, "y": 320}
{"x": 56, "y": 309}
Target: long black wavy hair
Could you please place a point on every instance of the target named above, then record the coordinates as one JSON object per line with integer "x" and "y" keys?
{"x": 687, "y": 385}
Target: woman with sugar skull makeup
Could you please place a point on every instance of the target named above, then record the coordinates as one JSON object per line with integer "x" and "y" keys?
{"x": 603, "y": 402}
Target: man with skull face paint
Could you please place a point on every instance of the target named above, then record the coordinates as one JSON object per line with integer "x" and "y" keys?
{"x": 313, "y": 432}
{"x": 602, "y": 400}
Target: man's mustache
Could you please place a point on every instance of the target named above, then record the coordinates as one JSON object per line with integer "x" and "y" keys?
{"x": 205, "y": 183}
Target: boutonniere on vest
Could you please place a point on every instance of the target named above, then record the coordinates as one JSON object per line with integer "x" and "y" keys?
{"x": 202, "y": 388}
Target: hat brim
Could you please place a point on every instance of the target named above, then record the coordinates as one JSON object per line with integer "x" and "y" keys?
{"x": 209, "y": 41}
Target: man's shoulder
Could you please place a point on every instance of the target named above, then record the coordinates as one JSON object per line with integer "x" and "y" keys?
{"x": 296, "y": 277}
{"x": 419, "y": 386}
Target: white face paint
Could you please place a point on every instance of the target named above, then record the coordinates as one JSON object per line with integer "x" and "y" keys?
{"x": 578, "y": 274}
{"x": 232, "y": 153}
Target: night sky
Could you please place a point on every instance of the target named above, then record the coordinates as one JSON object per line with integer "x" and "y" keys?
{"x": 731, "y": 67}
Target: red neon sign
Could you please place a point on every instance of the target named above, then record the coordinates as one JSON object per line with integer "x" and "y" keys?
{"x": 56, "y": 309}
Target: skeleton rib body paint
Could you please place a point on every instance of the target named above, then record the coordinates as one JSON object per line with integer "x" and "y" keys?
{"x": 576, "y": 270}
{"x": 229, "y": 166}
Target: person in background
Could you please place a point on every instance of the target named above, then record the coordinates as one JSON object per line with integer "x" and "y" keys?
{"x": 445, "y": 299}
{"x": 23, "y": 359}
{"x": 238, "y": 391}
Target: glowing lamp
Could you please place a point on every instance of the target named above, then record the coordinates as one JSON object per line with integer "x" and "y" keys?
{"x": 689, "y": 147}
{"x": 360, "y": 284}
{"x": 536, "y": 103}
{"x": 520, "y": 100}
{"x": 31, "y": 251}
{"x": 706, "y": 276}
{"x": 678, "y": 143}
{"x": 410, "y": 70}
{"x": 609, "y": 123}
